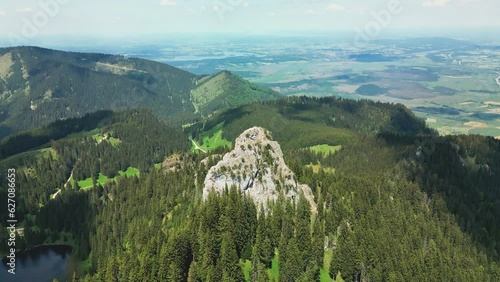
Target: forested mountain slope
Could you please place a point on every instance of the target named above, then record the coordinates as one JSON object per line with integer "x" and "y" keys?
{"x": 82, "y": 152}
{"x": 395, "y": 202}
{"x": 298, "y": 122}
{"x": 39, "y": 86}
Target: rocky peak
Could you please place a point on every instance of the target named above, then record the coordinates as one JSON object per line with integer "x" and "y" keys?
{"x": 256, "y": 166}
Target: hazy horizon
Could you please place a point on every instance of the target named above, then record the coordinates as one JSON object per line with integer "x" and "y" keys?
{"x": 64, "y": 41}
{"x": 30, "y": 21}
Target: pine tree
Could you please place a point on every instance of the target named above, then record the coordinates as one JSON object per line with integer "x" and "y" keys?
{"x": 275, "y": 224}
{"x": 111, "y": 270}
{"x": 303, "y": 230}
{"x": 75, "y": 277}
{"x": 193, "y": 275}
{"x": 263, "y": 248}
{"x": 291, "y": 263}
{"x": 231, "y": 270}
{"x": 318, "y": 239}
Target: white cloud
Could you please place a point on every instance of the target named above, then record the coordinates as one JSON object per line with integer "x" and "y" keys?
{"x": 435, "y": 3}
{"x": 335, "y": 8}
{"x": 167, "y": 3}
{"x": 25, "y": 10}
{"x": 2, "y": 13}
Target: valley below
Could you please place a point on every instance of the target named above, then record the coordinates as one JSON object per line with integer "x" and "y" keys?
{"x": 329, "y": 162}
{"x": 446, "y": 81}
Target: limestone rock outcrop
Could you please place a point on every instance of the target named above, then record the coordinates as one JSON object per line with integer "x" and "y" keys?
{"x": 256, "y": 166}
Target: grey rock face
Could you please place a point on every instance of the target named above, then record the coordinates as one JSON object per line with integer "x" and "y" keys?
{"x": 256, "y": 166}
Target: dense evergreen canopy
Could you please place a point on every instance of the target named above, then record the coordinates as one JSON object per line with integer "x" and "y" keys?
{"x": 395, "y": 203}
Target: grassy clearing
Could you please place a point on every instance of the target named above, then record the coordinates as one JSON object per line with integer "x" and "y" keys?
{"x": 88, "y": 184}
{"x": 325, "y": 149}
{"x": 325, "y": 270}
{"x": 86, "y": 265}
{"x": 131, "y": 171}
{"x": 98, "y": 137}
{"x": 246, "y": 266}
{"x": 106, "y": 137}
{"x": 102, "y": 179}
{"x": 213, "y": 139}
{"x": 317, "y": 167}
{"x": 158, "y": 166}
{"x": 275, "y": 268}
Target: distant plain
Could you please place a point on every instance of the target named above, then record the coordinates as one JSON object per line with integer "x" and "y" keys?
{"x": 453, "y": 84}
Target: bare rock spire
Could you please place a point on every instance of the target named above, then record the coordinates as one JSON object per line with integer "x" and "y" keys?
{"x": 256, "y": 166}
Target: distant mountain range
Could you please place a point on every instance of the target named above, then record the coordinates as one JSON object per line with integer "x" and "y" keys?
{"x": 39, "y": 86}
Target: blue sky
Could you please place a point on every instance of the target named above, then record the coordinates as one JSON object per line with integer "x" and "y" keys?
{"x": 118, "y": 17}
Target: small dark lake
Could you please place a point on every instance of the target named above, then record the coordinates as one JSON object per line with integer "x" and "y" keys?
{"x": 41, "y": 264}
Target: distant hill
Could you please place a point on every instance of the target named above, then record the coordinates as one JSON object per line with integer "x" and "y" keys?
{"x": 226, "y": 90}
{"x": 39, "y": 86}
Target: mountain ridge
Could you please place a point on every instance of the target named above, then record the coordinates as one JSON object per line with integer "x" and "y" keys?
{"x": 39, "y": 86}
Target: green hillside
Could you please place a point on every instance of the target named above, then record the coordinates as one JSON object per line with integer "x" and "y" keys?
{"x": 39, "y": 86}
{"x": 226, "y": 90}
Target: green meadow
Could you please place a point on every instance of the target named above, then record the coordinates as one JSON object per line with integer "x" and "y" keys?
{"x": 275, "y": 268}
{"x": 88, "y": 184}
{"x": 213, "y": 139}
{"x": 130, "y": 172}
{"x": 106, "y": 137}
{"x": 325, "y": 149}
{"x": 325, "y": 270}
{"x": 246, "y": 266}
